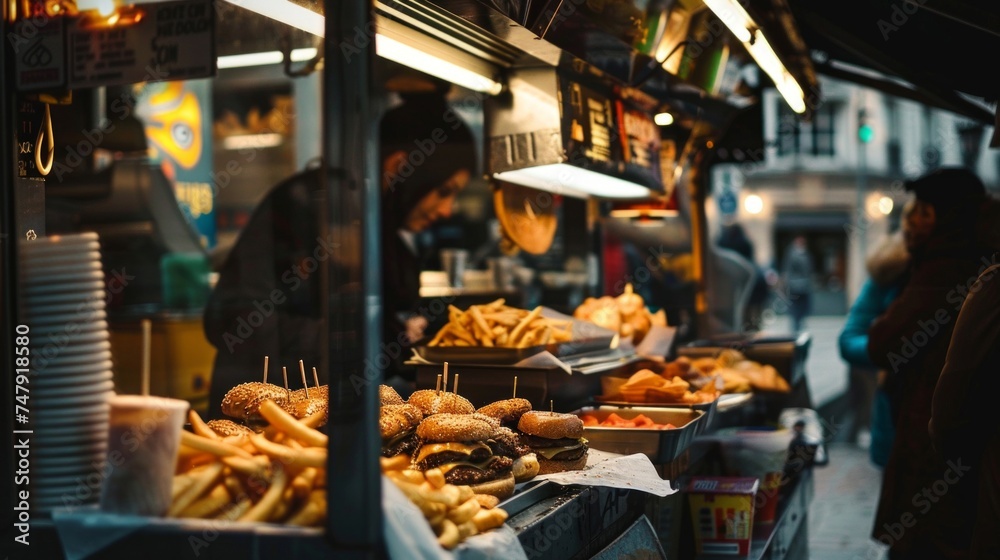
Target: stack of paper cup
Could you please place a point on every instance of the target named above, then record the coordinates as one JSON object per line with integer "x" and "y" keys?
{"x": 70, "y": 377}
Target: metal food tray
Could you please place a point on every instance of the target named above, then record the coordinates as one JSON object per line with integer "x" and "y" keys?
{"x": 710, "y": 409}
{"x": 661, "y": 446}
{"x": 587, "y": 337}
{"x": 508, "y": 356}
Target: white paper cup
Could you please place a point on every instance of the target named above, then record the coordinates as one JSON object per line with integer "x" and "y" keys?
{"x": 143, "y": 437}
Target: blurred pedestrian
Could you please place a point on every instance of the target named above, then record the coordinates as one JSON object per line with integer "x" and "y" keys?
{"x": 734, "y": 238}
{"x": 964, "y": 425}
{"x": 797, "y": 272}
{"x": 887, "y": 266}
{"x": 910, "y": 342}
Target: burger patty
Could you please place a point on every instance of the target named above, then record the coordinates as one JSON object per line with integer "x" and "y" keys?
{"x": 407, "y": 445}
{"x": 541, "y": 442}
{"x": 462, "y": 475}
{"x": 506, "y": 443}
{"x": 571, "y": 455}
{"x": 438, "y": 459}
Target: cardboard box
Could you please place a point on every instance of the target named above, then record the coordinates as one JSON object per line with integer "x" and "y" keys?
{"x": 722, "y": 514}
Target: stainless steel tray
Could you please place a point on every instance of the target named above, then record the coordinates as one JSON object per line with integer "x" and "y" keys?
{"x": 508, "y": 356}
{"x": 587, "y": 337}
{"x": 661, "y": 446}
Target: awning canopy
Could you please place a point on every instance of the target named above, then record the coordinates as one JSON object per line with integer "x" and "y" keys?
{"x": 934, "y": 51}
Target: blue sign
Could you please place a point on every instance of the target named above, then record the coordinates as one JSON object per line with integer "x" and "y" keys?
{"x": 727, "y": 202}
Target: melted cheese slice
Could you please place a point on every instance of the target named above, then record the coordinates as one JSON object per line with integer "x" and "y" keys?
{"x": 483, "y": 465}
{"x": 454, "y": 447}
{"x": 550, "y": 452}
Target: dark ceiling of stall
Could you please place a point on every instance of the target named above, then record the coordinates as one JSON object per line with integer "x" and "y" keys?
{"x": 940, "y": 47}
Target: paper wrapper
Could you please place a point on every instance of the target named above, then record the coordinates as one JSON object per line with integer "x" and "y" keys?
{"x": 655, "y": 345}
{"x": 630, "y": 472}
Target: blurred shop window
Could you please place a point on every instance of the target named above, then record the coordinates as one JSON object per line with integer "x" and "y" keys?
{"x": 815, "y": 138}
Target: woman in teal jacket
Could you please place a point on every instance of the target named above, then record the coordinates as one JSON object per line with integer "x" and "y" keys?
{"x": 887, "y": 269}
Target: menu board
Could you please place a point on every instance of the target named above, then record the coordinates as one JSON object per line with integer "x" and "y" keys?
{"x": 172, "y": 41}
{"x": 608, "y": 133}
{"x": 640, "y": 137}
{"x": 149, "y": 42}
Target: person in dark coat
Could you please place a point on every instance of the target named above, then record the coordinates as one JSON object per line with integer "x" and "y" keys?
{"x": 916, "y": 517}
{"x": 267, "y": 299}
{"x": 964, "y": 424}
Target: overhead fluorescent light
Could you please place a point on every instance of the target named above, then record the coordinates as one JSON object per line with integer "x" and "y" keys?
{"x": 748, "y": 32}
{"x": 286, "y": 12}
{"x": 263, "y": 58}
{"x": 734, "y": 17}
{"x": 568, "y": 180}
{"x": 409, "y": 47}
{"x": 769, "y": 62}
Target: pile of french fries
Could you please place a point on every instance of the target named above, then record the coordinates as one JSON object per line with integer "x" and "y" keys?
{"x": 501, "y": 326}
{"x": 454, "y": 512}
{"x": 277, "y": 476}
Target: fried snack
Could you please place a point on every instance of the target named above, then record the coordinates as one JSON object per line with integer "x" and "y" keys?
{"x": 646, "y": 386}
{"x": 454, "y": 512}
{"x": 290, "y": 425}
{"x": 280, "y": 480}
{"x": 313, "y": 512}
{"x": 213, "y": 446}
{"x": 308, "y": 457}
{"x": 626, "y": 314}
{"x": 487, "y": 500}
{"x": 497, "y": 325}
{"x": 397, "y": 463}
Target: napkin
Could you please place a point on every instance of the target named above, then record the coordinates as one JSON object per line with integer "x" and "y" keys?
{"x": 630, "y": 472}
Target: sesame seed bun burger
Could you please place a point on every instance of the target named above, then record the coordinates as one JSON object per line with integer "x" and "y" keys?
{"x": 507, "y": 443}
{"x": 388, "y": 395}
{"x": 228, "y": 428}
{"x": 397, "y": 424}
{"x": 456, "y": 444}
{"x": 440, "y": 402}
{"x": 508, "y": 411}
{"x": 556, "y": 438}
{"x": 243, "y": 401}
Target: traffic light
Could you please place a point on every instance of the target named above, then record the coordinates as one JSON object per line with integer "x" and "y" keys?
{"x": 865, "y": 131}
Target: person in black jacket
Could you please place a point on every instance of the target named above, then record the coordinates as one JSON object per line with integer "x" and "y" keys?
{"x": 267, "y": 299}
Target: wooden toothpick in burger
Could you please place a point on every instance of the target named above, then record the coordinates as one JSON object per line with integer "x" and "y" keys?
{"x": 315, "y": 377}
{"x": 266, "y": 358}
{"x": 284, "y": 374}
{"x": 455, "y": 388}
{"x": 438, "y": 386}
{"x": 514, "y": 396}
{"x": 147, "y": 346}
{"x": 446, "y": 377}
{"x": 302, "y": 370}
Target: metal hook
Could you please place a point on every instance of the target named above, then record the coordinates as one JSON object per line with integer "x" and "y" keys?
{"x": 45, "y": 133}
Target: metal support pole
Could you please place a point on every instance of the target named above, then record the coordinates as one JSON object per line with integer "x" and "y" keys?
{"x": 354, "y": 522}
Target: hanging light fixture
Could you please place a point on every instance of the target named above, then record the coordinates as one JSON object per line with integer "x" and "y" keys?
{"x": 749, "y": 33}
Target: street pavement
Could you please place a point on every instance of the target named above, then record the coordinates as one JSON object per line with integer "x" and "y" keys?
{"x": 842, "y": 511}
